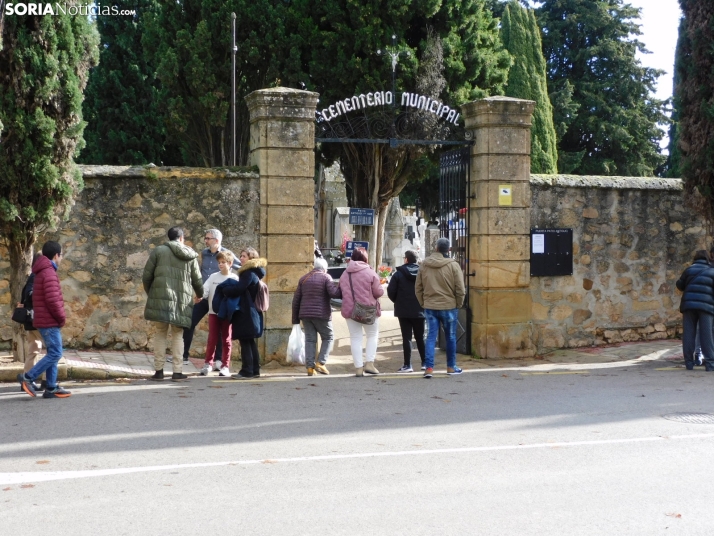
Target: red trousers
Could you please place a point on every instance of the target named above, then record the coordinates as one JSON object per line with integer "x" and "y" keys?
{"x": 223, "y": 329}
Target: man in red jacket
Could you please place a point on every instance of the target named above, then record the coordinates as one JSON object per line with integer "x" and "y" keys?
{"x": 48, "y": 319}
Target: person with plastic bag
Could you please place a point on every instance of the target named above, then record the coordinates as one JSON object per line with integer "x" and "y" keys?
{"x": 361, "y": 291}
{"x": 311, "y": 304}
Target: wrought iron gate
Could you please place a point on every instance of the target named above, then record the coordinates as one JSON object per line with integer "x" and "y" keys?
{"x": 454, "y": 225}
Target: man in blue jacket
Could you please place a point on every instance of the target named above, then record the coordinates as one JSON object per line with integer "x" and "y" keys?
{"x": 697, "y": 308}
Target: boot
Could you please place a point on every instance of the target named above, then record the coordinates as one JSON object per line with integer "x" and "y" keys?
{"x": 158, "y": 375}
{"x": 310, "y": 371}
{"x": 322, "y": 369}
{"x": 178, "y": 376}
{"x": 369, "y": 368}
{"x": 360, "y": 371}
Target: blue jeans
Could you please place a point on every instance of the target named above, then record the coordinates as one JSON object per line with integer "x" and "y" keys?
{"x": 48, "y": 364}
{"x": 448, "y": 319}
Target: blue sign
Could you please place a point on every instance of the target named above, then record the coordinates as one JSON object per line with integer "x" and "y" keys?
{"x": 361, "y": 216}
{"x": 351, "y": 246}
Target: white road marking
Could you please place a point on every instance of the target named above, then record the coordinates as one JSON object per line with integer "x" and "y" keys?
{"x": 41, "y": 476}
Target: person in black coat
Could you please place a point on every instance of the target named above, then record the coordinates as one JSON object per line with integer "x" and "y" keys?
{"x": 407, "y": 309}
{"x": 247, "y": 321}
{"x": 697, "y": 308}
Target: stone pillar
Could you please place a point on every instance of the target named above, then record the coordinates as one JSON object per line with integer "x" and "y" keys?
{"x": 499, "y": 227}
{"x": 282, "y": 143}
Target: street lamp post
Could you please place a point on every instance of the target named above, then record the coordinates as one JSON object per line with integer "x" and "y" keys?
{"x": 234, "y": 50}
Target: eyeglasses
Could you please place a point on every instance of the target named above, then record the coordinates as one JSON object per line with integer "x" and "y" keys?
{"x": 209, "y": 238}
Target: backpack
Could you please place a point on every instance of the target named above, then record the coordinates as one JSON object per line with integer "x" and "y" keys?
{"x": 262, "y": 298}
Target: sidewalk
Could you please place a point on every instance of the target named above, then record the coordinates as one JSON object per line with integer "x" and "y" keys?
{"x": 108, "y": 365}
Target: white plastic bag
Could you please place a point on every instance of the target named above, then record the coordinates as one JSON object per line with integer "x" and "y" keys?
{"x": 296, "y": 346}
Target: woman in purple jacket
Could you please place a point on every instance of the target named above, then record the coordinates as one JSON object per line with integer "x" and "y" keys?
{"x": 364, "y": 281}
{"x": 311, "y": 304}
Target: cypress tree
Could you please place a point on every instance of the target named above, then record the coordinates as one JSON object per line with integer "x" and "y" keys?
{"x": 44, "y": 65}
{"x": 527, "y": 80}
{"x": 695, "y": 98}
{"x": 591, "y": 45}
{"x": 124, "y": 124}
{"x": 675, "y": 154}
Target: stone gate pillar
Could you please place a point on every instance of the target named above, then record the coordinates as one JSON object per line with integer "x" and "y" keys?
{"x": 499, "y": 227}
{"x": 282, "y": 143}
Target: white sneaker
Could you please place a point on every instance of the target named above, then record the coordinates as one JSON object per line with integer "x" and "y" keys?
{"x": 406, "y": 369}
{"x": 205, "y": 369}
{"x": 217, "y": 365}
{"x": 224, "y": 372}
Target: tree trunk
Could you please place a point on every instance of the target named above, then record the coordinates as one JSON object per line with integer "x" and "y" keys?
{"x": 20, "y": 265}
{"x": 379, "y": 228}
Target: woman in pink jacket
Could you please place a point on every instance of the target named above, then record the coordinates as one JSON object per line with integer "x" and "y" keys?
{"x": 361, "y": 279}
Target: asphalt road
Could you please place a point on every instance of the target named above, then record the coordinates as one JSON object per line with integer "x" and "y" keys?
{"x": 491, "y": 452}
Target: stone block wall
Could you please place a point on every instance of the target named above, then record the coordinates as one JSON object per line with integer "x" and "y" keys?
{"x": 632, "y": 238}
{"x": 122, "y": 213}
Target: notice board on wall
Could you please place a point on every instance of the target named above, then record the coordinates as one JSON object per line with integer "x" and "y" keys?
{"x": 551, "y": 252}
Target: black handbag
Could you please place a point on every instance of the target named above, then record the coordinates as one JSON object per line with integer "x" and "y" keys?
{"x": 21, "y": 315}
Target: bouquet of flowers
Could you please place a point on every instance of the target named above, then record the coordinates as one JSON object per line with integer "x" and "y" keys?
{"x": 384, "y": 272}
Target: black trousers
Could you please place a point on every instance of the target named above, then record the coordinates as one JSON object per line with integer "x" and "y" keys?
{"x": 409, "y": 325}
{"x": 694, "y": 322}
{"x": 200, "y": 310}
{"x": 250, "y": 357}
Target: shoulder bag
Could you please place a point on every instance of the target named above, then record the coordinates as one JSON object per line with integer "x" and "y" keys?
{"x": 364, "y": 314}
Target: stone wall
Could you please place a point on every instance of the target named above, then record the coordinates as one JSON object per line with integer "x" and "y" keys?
{"x": 632, "y": 237}
{"x": 122, "y": 213}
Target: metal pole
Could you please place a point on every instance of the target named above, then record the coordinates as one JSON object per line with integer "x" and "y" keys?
{"x": 233, "y": 92}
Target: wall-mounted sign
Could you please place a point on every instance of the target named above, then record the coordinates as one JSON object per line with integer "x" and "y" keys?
{"x": 382, "y": 98}
{"x": 551, "y": 252}
{"x": 361, "y": 216}
{"x": 505, "y": 195}
{"x": 352, "y": 245}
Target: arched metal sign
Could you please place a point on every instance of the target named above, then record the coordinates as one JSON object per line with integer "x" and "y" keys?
{"x": 418, "y": 119}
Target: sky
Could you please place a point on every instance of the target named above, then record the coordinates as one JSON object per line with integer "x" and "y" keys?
{"x": 659, "y": 25}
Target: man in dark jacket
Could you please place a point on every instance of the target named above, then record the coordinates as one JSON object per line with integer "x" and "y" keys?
{"x": 311, "y": 304}
{"x": 171, "y": 277}
{"x": 407, "y": 309}
{"x": 697, "y": 308}
{"x": 209, "y": 266}
{"x": 49, "y": 317}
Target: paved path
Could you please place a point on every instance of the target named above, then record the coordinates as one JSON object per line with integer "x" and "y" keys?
{"x": 107, "y": 364}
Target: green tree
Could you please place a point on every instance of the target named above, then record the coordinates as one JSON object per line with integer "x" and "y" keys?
{"x": 590, "y": 44}
{"x": 124, "y": 125}
{"x": 335, "y": 54}
{"x": 189, "y": 43}
{"x": 527, "y": 80}
{"x": 673, "y": 168}
{"x": 695, "y": 103}
{"x": 44, "y": 64}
